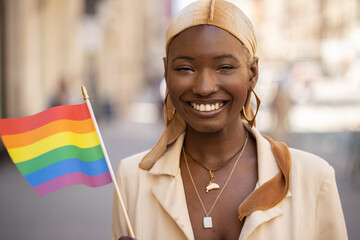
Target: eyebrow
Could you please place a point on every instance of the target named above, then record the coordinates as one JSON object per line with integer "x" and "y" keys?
{"x": 183, "y": 57}
{"x": 226, "y": 56}
{"x": 215, "y": 58}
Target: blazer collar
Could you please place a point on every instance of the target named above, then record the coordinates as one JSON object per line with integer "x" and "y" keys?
{"x": 168, "y": 163}
{"x": 267, "y": 166}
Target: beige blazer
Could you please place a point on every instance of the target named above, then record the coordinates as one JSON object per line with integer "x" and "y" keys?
{"x": 155, "y": 199}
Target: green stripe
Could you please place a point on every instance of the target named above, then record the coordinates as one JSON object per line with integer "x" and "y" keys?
{"x": 66, "y": 152}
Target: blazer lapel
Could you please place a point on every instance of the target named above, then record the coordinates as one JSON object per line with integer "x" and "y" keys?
{"x": 171, "y": 197}
{"x": 268, "y": 168}
{"x": 170, "y": 191}
{"x": 257, "y": 218}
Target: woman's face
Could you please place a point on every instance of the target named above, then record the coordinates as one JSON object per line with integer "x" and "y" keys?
{"x": 208, "y": 77}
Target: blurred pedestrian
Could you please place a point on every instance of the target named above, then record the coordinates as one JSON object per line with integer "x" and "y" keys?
{"x": 354, "y": 152}
{"x": 281, "y": 106}
{"x": 212, "y": 174}
{"x": 61, "y": 96}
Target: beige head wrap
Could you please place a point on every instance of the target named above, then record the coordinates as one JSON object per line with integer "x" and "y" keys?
{"x": 217, "y": 13}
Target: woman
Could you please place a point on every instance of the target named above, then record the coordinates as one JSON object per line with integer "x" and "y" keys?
{"x": 212, "y": 175}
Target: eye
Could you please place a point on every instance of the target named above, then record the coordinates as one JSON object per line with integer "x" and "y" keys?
{"x": 225, "y": 68}
{"x": 183, "y": 69}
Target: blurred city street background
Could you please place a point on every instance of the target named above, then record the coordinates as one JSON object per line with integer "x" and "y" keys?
{"x": 309, "y": 84}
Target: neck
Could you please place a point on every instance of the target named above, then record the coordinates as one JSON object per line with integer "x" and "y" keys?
{"x": 216, "y": 147}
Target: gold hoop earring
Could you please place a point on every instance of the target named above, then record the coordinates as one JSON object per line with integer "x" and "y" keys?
{"x": 173, "y": 114}
{"x": 168, "y": 104}
{"x": 258, "y": 102}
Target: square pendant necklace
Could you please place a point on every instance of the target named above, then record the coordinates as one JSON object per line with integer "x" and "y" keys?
{"x": 207, "y": 220}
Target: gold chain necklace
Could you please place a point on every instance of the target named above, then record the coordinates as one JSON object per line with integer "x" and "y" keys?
{"x": 207, "y": 221}
{"x": 212, "y": 185}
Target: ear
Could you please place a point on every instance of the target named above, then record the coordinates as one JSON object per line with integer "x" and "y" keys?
{"x": 254, "y": 72}
{"x": 165, "y": 67}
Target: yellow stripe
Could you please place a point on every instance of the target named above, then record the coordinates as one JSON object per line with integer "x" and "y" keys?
{"x": 52, "y": 142}
{"x": 58, "y": 126}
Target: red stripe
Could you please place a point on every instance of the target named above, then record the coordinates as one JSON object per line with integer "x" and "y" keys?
{"x": 24, "y": 124}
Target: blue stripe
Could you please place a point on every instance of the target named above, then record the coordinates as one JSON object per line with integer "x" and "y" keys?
{"x": 65, "y": 167}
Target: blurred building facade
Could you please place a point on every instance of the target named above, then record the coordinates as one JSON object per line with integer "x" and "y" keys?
{"x": 311, "y": 49}
{"x": 106, "y": 45}
{"x": 295, "y": 29}
{"x": 39, "y": 46}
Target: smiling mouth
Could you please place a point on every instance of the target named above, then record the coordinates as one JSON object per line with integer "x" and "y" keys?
{"x": 207, "y": 107}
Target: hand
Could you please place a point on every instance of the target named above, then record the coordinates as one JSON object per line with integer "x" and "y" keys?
{"x": 126, "y": 238}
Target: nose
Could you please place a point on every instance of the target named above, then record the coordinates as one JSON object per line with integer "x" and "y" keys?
{"x": 204, "y": 84}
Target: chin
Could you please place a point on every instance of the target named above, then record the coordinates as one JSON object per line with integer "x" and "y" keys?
{"x": 206, "y": 128}
{"x": 215, "y": 125}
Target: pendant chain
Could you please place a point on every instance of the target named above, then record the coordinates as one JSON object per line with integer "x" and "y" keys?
{"x": 221, "y": 166}
{"x": 218, "y": 196}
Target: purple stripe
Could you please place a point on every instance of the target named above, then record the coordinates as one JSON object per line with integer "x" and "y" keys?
{"x": 73, "y": 179}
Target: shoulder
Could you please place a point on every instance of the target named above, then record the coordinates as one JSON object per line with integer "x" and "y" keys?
{"x": 305, "y": 159}
{"x": 136, "y": 158}
{"x": 129, "y": 166}
{"x": 309, "y": 172}
{"x": 307, "y": 162}
{"x": 130, "y": 177}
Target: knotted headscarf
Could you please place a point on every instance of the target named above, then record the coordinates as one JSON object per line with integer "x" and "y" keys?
{"x": 221, "y": 14}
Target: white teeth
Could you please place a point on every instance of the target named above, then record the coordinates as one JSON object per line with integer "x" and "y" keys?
{"x": 207, "y": 107}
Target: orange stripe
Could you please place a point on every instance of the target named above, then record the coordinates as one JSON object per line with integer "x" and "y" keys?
{"x": 64, "y": 125}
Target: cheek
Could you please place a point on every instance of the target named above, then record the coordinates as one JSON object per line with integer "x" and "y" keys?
{"x": 176, "y": 89}
{"x": 177, "y": 85}
{"x": 173, "y": 94}
{"x": 175, "y": 97}
{"x": 238, "y": 90}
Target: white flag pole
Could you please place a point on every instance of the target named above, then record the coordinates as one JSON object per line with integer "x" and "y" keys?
{"x": 86, "y": 98}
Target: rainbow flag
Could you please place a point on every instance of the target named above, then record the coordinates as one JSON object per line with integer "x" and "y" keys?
{"x": 56, "y": 148}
